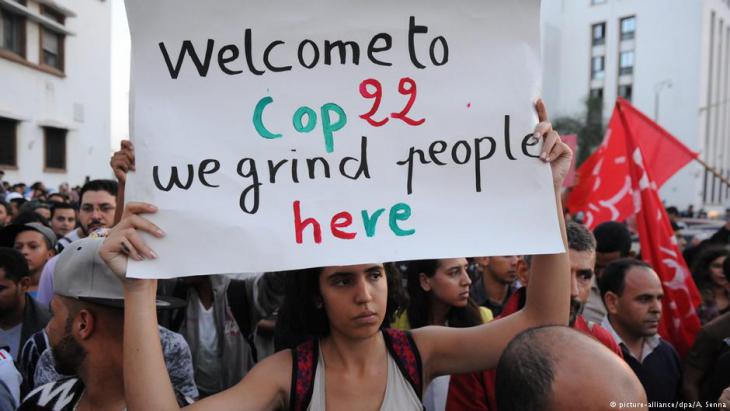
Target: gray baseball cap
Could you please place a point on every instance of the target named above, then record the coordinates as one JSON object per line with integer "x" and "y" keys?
{"x": 80, "y": 273}
{"x": 8, "y": 233}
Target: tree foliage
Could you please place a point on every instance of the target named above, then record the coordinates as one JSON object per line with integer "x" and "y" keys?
{"x": 588, "y": 126}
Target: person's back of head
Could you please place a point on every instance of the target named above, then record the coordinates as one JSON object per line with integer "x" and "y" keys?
{"x": 611, "y": 237}
{"x": 613, "y": 241}
{"x": 14, "y": 282}
{"x": 558, "y": 368}
{"x": 30, "y": 216}
{"x": 14, "y": 264}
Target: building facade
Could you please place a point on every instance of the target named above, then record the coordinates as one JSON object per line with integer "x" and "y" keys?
{"x": 55, "y": 82}
{"x": 670, "y": 58}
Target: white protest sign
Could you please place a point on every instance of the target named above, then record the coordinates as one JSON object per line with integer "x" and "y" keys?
{"x": 287, "y": 134}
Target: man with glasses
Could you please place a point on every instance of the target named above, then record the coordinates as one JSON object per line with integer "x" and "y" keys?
{"x": 98, "y": 201}
{"x": 96, "y": 209}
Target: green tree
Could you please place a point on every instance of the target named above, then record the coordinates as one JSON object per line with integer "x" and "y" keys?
{"x": 588, "y": 126}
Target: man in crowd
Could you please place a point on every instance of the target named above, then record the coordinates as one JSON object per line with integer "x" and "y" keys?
{"x": 556, "y": 368}
{"x": 20, "y": 315}
{"x": 613, "y": 241}
{"x": 707, "y": 364}
{"x": 40, "y": 207}
{"x": 495, "y": 285}
{"x": 98, "y": 203}
{"x": 15, "y": 201}
{"x": 216, "y": 324}
{"x": 632, "y": 293}
{"x": 581, "y": 252}
{"x": 4, "y": 214}
{"x": 36, "y": 242}
{"x": 86, "y": 334}
{"x": 63, "y": 219}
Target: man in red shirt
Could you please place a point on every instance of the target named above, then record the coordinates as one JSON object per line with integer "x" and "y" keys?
{"x": 476, "y": 391}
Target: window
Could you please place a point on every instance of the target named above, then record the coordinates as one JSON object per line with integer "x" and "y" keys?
{"x": 593, "y": 2}
{"x": 8, "y": 154}
{"x": 628, "y": 28}
{"x": 597, "y": 68}
{"x": 12, "y": 32}
{"x": 55, "y": 144}
{"x": 598, "y": 34}
{"x": 52, "y": 49}
{"x": 596, "y": 93}
{"x": 52, "y": 42}
{"x": 626, "y": 62}
{"x": 625, "y": 91}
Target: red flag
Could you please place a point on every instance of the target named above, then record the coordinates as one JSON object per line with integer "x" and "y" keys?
{"x": 604, "y": 187}
{"x": 680, "y": 322}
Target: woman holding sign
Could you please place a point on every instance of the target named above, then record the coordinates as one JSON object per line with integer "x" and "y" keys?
{"x": 355, "y": 363}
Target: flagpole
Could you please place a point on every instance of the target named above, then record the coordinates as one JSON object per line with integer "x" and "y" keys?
{"x": 713, "y": 171}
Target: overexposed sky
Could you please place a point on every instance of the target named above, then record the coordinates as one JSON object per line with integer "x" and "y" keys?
{"x": 119, "y": 74}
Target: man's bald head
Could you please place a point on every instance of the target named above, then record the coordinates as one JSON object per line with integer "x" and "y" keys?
{"x": 558, "y": 368}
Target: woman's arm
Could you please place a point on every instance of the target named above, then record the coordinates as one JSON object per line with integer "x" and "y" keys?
{"x": 548, "y": 296}
{"x": 146, "y": 381}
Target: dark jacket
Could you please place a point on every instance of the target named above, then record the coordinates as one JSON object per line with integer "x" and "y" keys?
{"x": 35, "y": 317}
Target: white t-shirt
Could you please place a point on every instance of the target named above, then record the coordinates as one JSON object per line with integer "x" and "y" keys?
{"x": 208, "y": 376}
{"x": 11, "y": 339}
{"x": 434, "y": 399}
{"x": 10, "y": 380}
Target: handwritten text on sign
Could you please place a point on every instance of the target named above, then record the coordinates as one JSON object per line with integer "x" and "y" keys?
{"x": 287, "y": 135}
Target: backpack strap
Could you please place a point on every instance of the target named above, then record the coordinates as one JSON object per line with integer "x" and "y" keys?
{"x": 402, "y": 347}
{"x": 304, "y": 366}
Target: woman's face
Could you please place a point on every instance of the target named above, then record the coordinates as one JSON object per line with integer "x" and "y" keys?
{"x": 717, "y": 276}
{"x": 450, "y": 284}
{"x": 355, "y": 298}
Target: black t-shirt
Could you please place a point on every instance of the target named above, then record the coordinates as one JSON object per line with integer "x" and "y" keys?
{"x": 61, "y": 395}
{"x": 710, "y": 354}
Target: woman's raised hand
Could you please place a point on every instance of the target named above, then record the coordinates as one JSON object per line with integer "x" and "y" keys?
{"x": 554, "y": 151}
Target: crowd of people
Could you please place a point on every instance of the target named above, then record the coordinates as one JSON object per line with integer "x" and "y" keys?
{"x": 570, "y": 331}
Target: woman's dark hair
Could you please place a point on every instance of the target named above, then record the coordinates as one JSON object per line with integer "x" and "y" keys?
{"x": 418, "y": 309}
{"x": 300, "y": 317}
{"x": 701, "y": 267}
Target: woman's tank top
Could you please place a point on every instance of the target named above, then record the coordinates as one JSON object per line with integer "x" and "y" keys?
{"x": 399, "y": 393}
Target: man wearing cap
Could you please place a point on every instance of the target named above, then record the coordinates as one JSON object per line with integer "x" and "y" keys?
{"x": 86, "y": 335}
{"x": 36, "y": 242}
{"x": 20, "y": 315}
